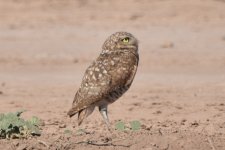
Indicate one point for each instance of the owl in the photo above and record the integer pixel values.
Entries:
(108, 77)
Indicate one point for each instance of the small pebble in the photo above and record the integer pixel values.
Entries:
(16, 143)
(62, 126)
(167, 45)
(22, 147)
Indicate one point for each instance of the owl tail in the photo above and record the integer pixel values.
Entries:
(71, 112)
(81, 116)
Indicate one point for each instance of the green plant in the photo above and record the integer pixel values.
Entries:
(12, 126)
(133, 125)
(120, 126)
(67, 132)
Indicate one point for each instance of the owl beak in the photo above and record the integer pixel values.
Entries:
(135, 43)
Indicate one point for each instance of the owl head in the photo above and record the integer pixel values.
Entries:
(121, 41)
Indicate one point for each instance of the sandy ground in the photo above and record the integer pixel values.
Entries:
(179, 91)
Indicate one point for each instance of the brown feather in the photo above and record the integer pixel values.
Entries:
(71, 112)
(108, 77)
(81, 116)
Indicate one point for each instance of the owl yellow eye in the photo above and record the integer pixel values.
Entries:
(126, 40)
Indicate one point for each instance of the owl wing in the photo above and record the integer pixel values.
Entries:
(95, 85)
(107, 73)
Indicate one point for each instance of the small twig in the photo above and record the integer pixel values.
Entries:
(54, 123)
(102, 144)
(160, 132)
(44, 143)
(211, 143)
(106, 144)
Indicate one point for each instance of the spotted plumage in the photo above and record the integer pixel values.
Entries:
(108, 77)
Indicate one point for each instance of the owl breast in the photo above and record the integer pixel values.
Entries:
(122, 75)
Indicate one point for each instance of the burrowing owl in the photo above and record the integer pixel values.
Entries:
(108, 77)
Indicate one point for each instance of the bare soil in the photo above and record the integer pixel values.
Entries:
(178, 94)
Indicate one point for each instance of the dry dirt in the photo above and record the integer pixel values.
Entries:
(179, 91)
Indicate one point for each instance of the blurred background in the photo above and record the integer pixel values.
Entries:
(184, 34)
(46, 45)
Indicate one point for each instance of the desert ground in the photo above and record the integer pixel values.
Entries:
(178, 93)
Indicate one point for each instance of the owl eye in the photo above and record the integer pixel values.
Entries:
(125, 40)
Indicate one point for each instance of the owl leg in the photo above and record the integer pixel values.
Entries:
(103, 111)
